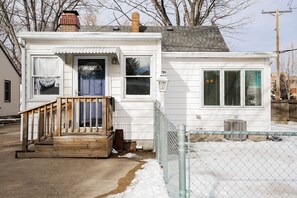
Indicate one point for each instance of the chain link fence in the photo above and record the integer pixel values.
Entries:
(224, 163)
(166, 147)
(242, 164)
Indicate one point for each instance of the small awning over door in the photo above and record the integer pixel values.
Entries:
(61, 51)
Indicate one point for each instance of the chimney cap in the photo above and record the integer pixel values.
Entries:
(71, 12)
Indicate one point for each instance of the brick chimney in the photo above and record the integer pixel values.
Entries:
(135, 22)
(69, 21)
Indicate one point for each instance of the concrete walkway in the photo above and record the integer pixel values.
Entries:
(55, 177)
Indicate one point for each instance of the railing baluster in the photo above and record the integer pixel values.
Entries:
(65, 115)
(97, 112)
(32, 127)
(72, 115)
(44, 121)
(91, 102)
(59, 120)
(78, 115)
(40, 126)
(51, 120)
(85, 113)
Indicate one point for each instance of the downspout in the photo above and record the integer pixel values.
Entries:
(23, 94)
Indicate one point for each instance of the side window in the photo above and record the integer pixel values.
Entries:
(212, 88)
(7, 91)
(232, 88)
(46, 75)
(138, 75)
(253, 87)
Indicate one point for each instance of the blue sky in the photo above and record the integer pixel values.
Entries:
(259, 35)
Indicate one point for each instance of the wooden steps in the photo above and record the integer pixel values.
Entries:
(93, 146)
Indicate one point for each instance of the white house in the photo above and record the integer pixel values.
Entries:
(10, 79)
(207, 83)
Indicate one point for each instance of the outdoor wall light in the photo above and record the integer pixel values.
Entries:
(163, 81)
(114, 60)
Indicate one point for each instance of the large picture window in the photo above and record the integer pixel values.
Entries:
(7, 91)
(138, 75)
(232, 88)
(253, 96)
(237, 92)
(46, 75)
(211, 87)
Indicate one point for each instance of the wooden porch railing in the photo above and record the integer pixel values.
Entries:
(79, 115)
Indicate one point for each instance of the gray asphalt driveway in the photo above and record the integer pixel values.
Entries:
(55, 177)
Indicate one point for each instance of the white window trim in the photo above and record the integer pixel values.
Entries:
(242, 88)
(126, 97)
(75, 73)
(30, 84)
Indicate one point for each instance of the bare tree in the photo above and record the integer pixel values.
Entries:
(186, 12)
(32, 15)
(288, 79)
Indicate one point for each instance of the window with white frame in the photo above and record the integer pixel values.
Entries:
(7, 91)
(231, 86)
(46, 75)
(253, 91)
(138, 75)
(212, 88)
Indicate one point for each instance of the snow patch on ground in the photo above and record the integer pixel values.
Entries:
(148, 183)
(129, 155)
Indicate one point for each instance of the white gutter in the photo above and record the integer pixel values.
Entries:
(218, 54)
(89, 36)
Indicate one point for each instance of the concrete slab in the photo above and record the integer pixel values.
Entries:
(55, 177)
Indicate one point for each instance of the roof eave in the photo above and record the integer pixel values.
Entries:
(89, 36)
(219, 54)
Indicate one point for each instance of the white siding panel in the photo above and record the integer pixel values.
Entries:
(183, 99)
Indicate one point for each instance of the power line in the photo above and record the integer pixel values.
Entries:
(290, 50)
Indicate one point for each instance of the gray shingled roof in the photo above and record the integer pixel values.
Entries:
(180, 39)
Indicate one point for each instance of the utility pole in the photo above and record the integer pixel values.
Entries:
(277, 13)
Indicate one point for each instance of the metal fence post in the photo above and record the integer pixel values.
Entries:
(182, 160)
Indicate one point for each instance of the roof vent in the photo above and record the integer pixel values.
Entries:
(169, 28)
(116, 28)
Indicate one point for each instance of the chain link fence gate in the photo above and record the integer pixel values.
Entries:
(242, 164)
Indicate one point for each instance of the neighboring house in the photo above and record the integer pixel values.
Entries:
(9, 85)
(207, 83)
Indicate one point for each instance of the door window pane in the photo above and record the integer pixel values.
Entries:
(211, 87)
(253, 96)
(232, 88)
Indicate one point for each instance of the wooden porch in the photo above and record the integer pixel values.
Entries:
(79, 126)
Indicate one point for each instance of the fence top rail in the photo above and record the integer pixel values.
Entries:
(260, 133)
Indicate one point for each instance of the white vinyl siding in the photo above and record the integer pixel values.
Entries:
(184, 98)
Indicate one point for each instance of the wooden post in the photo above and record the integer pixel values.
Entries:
(278, 95)
(59, 116)
(276, 13)
(104, 118)
(25, 131)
